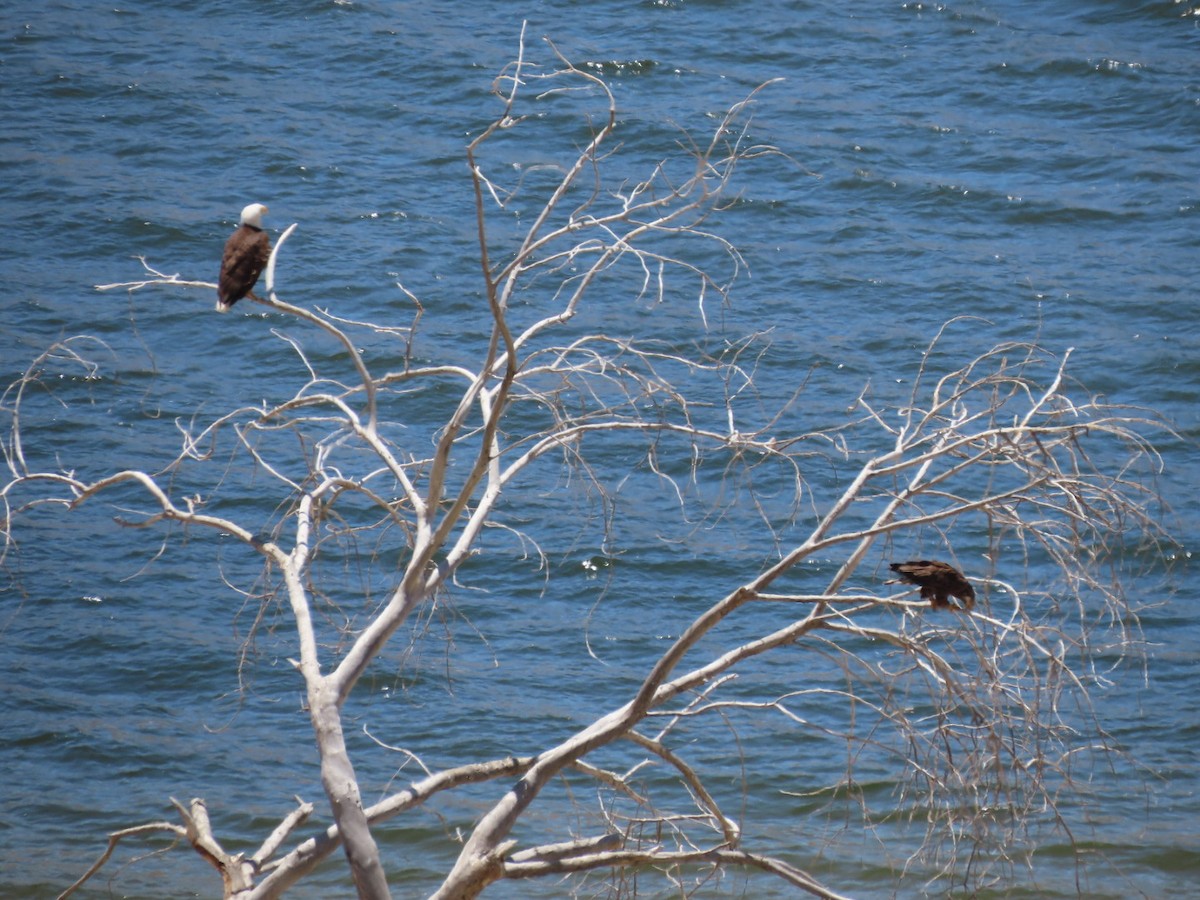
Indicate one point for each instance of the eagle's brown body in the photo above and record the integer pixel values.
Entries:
(246, 254)
(938, 581)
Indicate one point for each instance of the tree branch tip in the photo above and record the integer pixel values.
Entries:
(566, 849)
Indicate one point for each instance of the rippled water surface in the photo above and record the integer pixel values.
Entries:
(1031, 166)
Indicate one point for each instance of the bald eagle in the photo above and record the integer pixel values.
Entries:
(938, 582)
(246, 253)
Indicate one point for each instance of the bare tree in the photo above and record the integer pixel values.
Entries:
(984, 711)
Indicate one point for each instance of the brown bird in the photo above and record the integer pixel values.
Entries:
(246, 253)
(938, 582)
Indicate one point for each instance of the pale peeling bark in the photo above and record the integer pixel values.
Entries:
(341, 787)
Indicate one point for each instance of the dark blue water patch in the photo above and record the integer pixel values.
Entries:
(1039, 163)
(1152, 17)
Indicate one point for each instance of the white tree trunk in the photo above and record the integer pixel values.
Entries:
(341, 786)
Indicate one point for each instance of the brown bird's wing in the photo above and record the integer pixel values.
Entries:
(919, 571)
(938, 580)
(246, 254)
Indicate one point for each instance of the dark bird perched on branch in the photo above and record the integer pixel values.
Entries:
(246, 253)
(938, 582)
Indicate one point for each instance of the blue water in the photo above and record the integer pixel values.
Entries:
(1031, 165)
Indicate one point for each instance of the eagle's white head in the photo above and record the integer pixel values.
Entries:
(252, 215)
